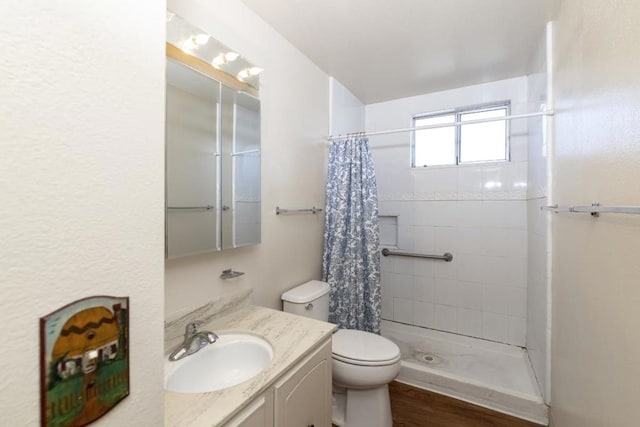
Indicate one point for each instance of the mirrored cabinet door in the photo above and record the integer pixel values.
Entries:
(192, 162)
(242, 156)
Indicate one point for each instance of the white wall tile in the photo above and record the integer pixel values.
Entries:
(424, 212)
(446, 292)
(424, 289)
(423, 267)
(518, 147)
(402, 286)
(445, 180)
(517, 301)
(470, 322)
(517, 272)
(517, 331)
(446, 214)
(470, 295)
(495, 299)
(470, 181)
(495, 327)
(387, 308)
(446, 318)
(423, 239)
(494, 179)
(386, 264)
(423, 181)
(445, 270)
(494, 270)
(472, 240)
(403, 310)
(405, 237)
(402, 265)
(471, 214)
(444, 239)
(517, 176)
(424, 314)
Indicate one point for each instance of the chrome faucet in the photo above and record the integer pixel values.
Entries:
(193, 341)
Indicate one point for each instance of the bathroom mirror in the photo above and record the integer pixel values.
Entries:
(241, 168)
(212, 157)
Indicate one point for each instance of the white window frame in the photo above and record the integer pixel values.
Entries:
(458, 112)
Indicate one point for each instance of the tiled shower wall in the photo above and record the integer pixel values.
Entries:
(477, 212)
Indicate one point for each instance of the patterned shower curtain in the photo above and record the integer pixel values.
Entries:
(351, 260)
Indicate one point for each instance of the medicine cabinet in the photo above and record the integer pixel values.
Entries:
(212, 147)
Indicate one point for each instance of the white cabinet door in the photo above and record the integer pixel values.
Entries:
(303, 396)
(258, 413)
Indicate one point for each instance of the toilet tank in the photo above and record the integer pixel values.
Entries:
(311, 299)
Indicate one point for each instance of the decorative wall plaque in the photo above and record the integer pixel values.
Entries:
(84, 361)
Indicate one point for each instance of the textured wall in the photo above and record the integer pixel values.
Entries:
(81, 178)
(295, 118)
(596, 274)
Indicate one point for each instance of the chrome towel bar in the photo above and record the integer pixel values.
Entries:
(445, 257)
(595, 209)
(189, 208)
(313, 210)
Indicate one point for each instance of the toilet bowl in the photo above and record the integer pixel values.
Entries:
(363, 363)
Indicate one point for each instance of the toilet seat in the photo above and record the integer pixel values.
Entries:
(364, 348)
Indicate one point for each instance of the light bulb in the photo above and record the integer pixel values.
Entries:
(243, 74)
(218, 61)
(202, 39)
(189, 45)
(254, 71)
(231, 56)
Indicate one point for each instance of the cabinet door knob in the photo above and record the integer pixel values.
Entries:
(310, 425)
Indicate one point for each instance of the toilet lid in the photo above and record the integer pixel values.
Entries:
(361, 347)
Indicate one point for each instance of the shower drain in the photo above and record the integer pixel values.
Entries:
(429, 358)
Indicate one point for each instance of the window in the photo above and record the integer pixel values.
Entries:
(454, 145)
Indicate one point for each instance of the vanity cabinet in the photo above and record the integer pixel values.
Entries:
(301, 397)
(258, 413)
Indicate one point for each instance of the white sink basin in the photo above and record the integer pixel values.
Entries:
(234, 358)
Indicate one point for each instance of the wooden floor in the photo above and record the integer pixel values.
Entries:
(414, 407)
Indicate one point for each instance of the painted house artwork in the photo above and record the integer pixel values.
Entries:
(84, 362)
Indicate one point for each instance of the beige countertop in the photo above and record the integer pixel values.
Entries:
(292, 337)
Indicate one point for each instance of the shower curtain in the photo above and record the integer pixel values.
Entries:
(351, 259)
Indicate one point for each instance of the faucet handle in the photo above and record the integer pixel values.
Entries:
(192, 327)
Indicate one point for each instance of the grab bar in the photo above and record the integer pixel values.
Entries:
(189, 208)
(445, 257)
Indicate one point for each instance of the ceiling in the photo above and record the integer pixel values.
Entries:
(388, 49)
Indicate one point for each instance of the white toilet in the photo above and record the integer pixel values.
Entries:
(363, 363)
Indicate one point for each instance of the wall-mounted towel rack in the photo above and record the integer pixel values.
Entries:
(189, 208)
(595, 209)
(445, 257)
(313, 210)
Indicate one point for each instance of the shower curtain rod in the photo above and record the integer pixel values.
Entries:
(443, 125)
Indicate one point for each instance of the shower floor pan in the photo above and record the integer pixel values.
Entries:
(496, 376)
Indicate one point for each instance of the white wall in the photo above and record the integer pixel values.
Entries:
(596, 273)
(81, 178)
(476, 212)
(538, 328)
(347, 111)
(295, 123)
